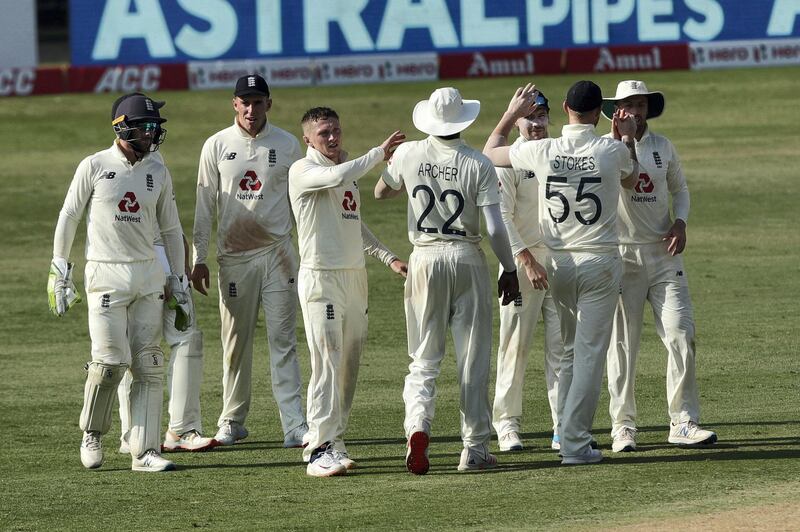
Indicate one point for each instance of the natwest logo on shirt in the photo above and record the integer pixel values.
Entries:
(250, 184)
(128, 204)
(350, 206)
(645, 184)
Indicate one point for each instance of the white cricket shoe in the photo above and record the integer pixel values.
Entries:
(230, 432)
(510, 441)
(624, 440)
(690, 433)
(344, 459)
(294, 438)
(417, 461)
(91, 450)
(152, 462)
(124, 446)
(555, 443)
(590, 456)
(476, 459)
(191, 440)
(324, 464)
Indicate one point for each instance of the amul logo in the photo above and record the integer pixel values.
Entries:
(128, 203)
(250, 181)
(349, 202)
(645, 184)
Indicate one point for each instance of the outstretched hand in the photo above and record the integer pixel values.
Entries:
(523, 102)
(391, 143)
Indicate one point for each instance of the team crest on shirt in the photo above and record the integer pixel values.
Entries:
(272, 157)
(528, 174)
(657, 159)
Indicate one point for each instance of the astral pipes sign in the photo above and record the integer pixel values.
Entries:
(167, 31)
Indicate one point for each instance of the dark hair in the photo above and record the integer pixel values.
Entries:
(316, 114)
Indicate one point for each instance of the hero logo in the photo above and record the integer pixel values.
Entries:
(129, 203)
(129, 78)
(250, 184)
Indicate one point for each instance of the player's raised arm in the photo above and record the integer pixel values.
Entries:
(522, 104)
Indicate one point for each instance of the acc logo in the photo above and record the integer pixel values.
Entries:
(349, 202)
(645, 184)
(129, 203)
(250, 181)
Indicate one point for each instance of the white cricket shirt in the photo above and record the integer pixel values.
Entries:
(644, 212)
(327, 206)
(447, 182)
(125, 204)
(579, 182)
(519, 205)
(244, 179)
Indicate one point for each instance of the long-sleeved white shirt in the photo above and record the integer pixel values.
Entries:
(243, 179)
(327, 206)
(644, 211)
(579, 182)
(126, 205)
(519, 205)
(447, 182)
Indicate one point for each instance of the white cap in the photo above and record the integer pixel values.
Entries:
(445, 113)
(631, 87)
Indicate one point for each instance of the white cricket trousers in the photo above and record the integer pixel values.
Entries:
(651, 274)
(334, 304)
(517, 323)
(448, 287)
(184, 376)
(125, 322)
(585, 288)
(269, 281)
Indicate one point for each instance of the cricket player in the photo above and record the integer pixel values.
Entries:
(579, 181)
(243, 177)
(126, 191)
(651, 241)
(323, 189)
(519, 205)
(184, 378)
(449, 185)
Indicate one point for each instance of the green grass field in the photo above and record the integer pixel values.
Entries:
(737, 133)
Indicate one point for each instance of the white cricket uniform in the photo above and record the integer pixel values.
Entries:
(184, 372)
(519, 194)
(579, 182)
(126, 204)
(245, 180)
(332, 285)
(650, 273)
(448, 283)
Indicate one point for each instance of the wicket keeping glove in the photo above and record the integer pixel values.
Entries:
(179, 302)
(61, 291)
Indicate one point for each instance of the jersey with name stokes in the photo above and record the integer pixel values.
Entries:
(579, 182)
(126, 205)
(245, 179)
(447, 182)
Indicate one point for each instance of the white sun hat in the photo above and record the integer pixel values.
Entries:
(445, 113)
(628, 88)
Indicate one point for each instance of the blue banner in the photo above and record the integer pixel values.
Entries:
(169, 31)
